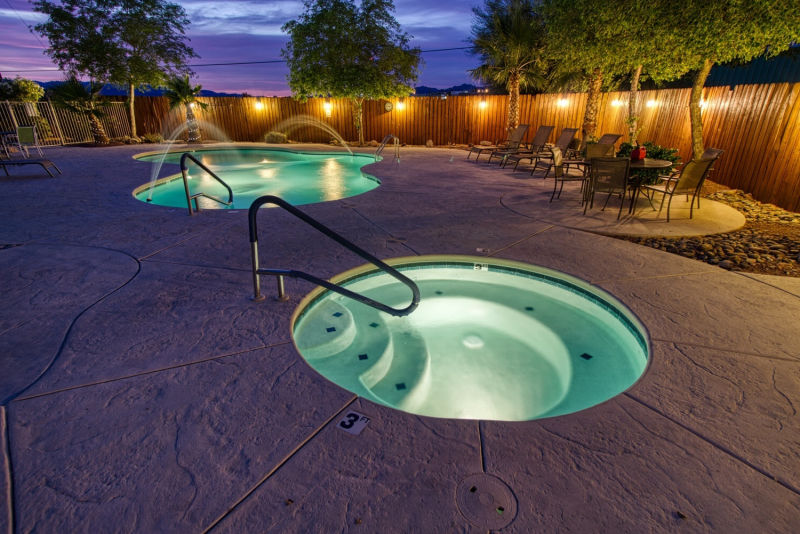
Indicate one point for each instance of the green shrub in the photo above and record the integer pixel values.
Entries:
(152, 138)
(276, 137)
(653, 151)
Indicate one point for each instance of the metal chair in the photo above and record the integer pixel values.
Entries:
(690, 181)
(537, 143)
(513, 143)
(607, 175)
(561, 176)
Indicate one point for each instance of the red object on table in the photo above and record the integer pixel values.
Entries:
(638, 153)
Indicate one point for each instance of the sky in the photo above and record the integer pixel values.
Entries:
(247, 30)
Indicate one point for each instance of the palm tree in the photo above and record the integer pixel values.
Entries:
(508, 37)
(74, 96)
(180, 91)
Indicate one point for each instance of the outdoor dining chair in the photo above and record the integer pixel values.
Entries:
(690, 181)
(561, 177)
(593, 150)
(607, 175)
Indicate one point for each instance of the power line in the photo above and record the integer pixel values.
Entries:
(264, 62)
(24, 24)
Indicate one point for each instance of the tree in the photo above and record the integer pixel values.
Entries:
(582, 37)
(718, 31)
(20, 90)
(508, 37)
(127, 42)
(179, 91)
(341, 50)
(78, 98)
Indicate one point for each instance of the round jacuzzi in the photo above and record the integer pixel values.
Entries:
(491, 339)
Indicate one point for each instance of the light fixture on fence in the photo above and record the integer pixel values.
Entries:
(328, 107)
(562, 102)
(259, 105)
(191, 105)
(401, 104)
(703, 103)
(483, 103)
(616, 103)
(651, 103)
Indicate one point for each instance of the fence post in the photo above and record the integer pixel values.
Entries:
(55, 120)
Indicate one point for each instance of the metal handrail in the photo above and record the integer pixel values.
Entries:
(280, 273)
(190, 197)
(383, 143)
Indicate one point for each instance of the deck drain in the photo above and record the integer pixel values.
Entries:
(486, 501)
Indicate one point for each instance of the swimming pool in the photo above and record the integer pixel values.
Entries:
(491, 339)
(300, 178)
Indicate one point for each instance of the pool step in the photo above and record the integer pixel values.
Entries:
(406, 379)
(331, 332)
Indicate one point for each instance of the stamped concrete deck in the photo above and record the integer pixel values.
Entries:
(143, 392)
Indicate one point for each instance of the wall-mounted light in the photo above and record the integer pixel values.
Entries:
(191, 105)
(651, 103)
(703, 103)
(562, 102)
(328, 107)
(401, 104)
(259, 105)
(482, 104)
(616, 103)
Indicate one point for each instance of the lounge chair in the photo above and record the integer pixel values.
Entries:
(546, 154)
(690, 180)
(26, 136)
(607, 175)
(46, 164)
(537, 144)
(514, 141)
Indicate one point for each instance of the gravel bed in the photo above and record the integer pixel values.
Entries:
(769, 242)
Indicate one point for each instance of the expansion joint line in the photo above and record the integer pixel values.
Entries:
(280, 464)
(480, 445)
(719, 446)
(9, 478)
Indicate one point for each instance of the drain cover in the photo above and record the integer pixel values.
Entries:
(486, 501)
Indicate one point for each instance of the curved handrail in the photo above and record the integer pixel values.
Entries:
(280, 273)
(190, 197)
(383, 143)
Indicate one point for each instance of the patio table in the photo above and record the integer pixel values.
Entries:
(643, 165)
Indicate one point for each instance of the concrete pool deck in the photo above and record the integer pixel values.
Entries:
(142, 390)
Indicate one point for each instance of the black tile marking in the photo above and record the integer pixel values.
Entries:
(400, 386)
(362, 356)
(331, 329)
(586, 356)
(528, 308)
(337, 314)
(374, 325)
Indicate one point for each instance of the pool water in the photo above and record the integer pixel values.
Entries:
(499, 341)
(298, 178)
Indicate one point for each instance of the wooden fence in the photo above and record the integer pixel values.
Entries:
(758, 126)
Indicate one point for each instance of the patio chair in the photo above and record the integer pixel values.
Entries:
(46, 164)
(537, 144)
(607, 175)
(26, 136)
(561, 176)
(593, 150)
(546, 154)
(513, 142)
(690, 180)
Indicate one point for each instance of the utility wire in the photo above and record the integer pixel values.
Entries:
(264, 62)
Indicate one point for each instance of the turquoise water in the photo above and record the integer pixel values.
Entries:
(497, 344)
(298, 178)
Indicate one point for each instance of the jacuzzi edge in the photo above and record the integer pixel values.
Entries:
(615, 306)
